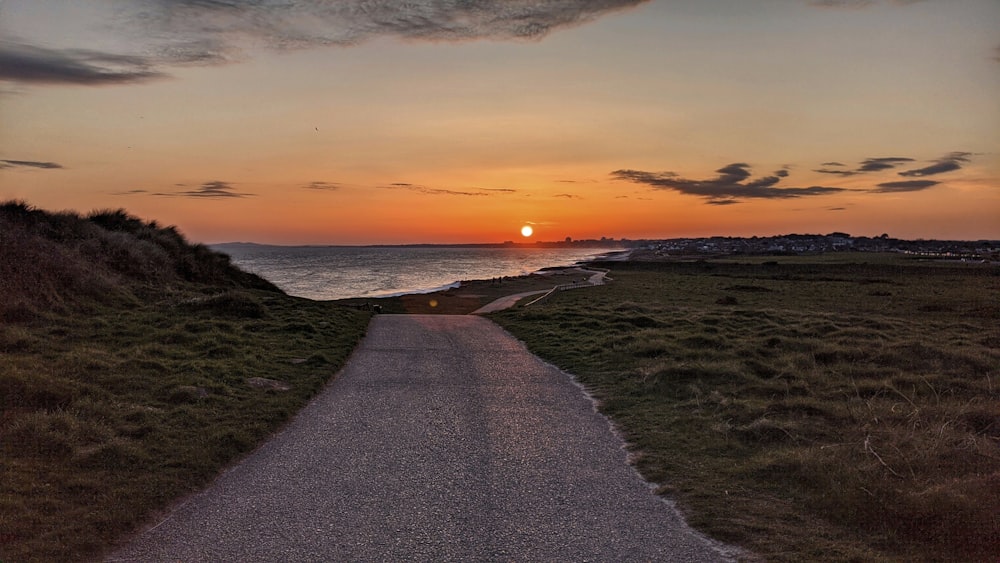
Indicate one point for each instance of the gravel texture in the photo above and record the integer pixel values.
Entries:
(443, 439)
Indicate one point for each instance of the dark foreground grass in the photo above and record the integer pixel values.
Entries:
(804, 411)
(123, 388)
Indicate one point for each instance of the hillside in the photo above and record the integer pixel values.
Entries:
(135, 366)
(54, 261)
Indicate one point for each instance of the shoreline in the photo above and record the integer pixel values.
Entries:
(471, 295)
(333, 275)
(612, 256)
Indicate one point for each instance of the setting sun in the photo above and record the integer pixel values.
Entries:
(526, 231)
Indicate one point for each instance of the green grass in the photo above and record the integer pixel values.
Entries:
(828, 411)
(123, 388)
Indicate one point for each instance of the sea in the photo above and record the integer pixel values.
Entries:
(340, 272)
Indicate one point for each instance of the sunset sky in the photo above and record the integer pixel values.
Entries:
(443, 121)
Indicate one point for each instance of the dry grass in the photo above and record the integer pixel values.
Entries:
(818, 411)
(131, 373)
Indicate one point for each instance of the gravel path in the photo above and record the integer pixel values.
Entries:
(443, 439)
(508, 301)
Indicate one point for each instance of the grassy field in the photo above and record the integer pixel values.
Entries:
(135, 367)
(832, 410)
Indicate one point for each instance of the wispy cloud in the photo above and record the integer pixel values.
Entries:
(474, 192)
(948, 163)
(877, 164)
(732, 185)
(568, 196)
(209, 190)
(904, 186)
(217, 29)
(321, 186)
(39, 65)
(28, 164)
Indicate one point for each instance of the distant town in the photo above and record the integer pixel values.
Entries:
(791, 245)
(708, 247)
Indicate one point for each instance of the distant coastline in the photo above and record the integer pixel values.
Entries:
(345, 272)
(610, 244)
(779, 245)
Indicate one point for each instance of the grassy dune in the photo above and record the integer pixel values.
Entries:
(135, 366)
(806, 411)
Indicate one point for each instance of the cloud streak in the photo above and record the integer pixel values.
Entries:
(472, 192)
(904, 186)
(732, 185)
(868, 165)
(38, 65)
(29, 164)
(327, 186)
(209, 190)
(947, 163)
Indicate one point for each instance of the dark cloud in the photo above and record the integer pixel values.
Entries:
(321, 186)
(39, 65)
(214, 30)
(867, 165)
(948, 163)
(885, 163)
(837, 209)
(568, 196)
(732, 185)
(209, 190)
(904, 186)
(28, 164)
(207, 32)
(833, 164)
(837, 172)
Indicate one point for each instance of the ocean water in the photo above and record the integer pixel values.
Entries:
(339, 272)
